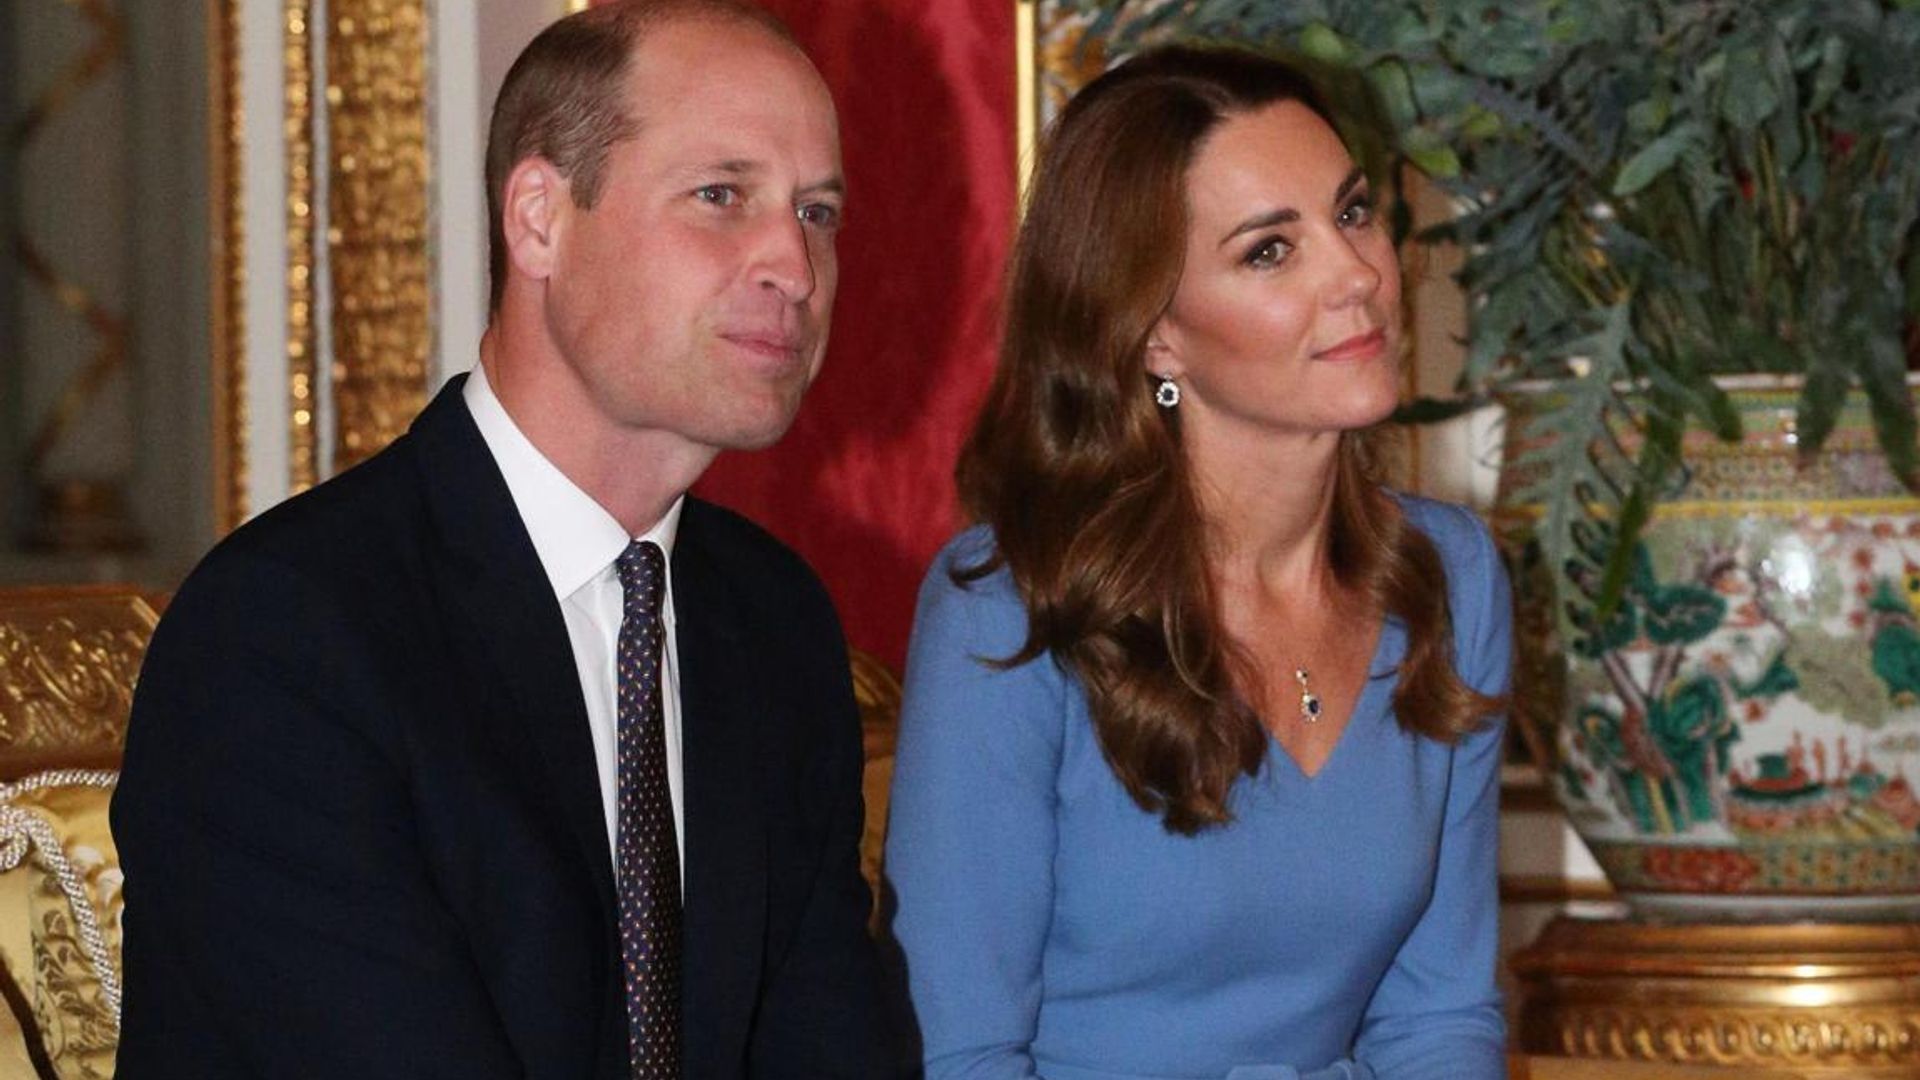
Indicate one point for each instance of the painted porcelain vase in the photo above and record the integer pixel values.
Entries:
(1742, 740)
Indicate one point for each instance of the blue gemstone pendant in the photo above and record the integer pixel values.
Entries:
(1309, 701)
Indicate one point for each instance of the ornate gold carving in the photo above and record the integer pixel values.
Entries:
(230, 271)
(1739, 1037)
(878, 695)
(68, 661)
(378, 201)
(1804, 996)
(302, 342)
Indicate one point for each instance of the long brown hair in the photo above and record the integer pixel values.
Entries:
(1084, 480)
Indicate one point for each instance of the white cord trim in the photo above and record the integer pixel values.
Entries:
(24, 830)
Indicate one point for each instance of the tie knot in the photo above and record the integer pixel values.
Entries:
(643, 577)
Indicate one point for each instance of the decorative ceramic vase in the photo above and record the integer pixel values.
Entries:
(1742, 739)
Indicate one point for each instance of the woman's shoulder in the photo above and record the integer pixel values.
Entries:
(963, 583)
(971, 622)
(1456, 531)
(966, 565)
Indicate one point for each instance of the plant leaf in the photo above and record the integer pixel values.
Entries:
(1431, 410)
(1819, 409)
(1653, 159)
(1749, 93)
(1890, 401)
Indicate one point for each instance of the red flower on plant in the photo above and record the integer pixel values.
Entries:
(1692, 869)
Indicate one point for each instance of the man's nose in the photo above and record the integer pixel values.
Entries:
(785, 261)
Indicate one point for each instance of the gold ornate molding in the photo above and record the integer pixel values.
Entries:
(68, 661)
(1822, 999)
(227, 135)
(302, 340)
(877, 693)
(379, 264)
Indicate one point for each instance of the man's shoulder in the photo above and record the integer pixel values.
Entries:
(344, 542)
(737, 545)
(349, 517)
(766, 583)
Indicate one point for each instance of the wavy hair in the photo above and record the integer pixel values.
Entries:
(1084, 480)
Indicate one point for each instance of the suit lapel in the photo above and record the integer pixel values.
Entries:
(515, 639)
(726, 868)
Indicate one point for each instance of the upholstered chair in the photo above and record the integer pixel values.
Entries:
(68, 659)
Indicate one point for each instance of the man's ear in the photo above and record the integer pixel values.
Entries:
(533, 203)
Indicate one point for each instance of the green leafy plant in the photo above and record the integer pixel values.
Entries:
(1649, 194)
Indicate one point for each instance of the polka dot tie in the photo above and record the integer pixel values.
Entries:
(646, 855)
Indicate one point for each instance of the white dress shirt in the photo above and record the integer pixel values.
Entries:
(578, 543)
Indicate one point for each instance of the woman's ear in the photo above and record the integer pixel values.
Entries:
(1162, 361)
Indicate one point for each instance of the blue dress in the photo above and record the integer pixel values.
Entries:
(1342, 925)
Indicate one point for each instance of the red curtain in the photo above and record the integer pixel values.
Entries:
(863, 484)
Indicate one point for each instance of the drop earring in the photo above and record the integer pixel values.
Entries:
(1167, 393)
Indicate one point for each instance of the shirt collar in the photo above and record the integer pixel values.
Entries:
(573, 535)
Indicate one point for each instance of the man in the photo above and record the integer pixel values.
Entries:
(418, 758)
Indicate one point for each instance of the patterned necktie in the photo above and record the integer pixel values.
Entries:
(647, 858)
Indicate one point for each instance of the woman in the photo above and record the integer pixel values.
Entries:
(1198, 759)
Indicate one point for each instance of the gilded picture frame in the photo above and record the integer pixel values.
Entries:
(356, 227)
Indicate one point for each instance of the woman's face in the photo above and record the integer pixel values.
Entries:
(1287, 316)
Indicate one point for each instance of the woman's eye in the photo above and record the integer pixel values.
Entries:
(1268, 252)
(1358, 212)
(717, 194)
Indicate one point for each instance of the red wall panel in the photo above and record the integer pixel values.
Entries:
(863, 484)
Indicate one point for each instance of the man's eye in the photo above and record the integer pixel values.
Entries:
(820, 215)
(717, 194)
(1268, 252)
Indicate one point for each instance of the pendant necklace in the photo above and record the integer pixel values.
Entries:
(1309, 701)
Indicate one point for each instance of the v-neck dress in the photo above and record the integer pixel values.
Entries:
(1343, 925)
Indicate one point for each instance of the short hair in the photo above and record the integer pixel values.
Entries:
(561, 100)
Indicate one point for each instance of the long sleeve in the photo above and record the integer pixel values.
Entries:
(280, 917)
(971, 842)
(820, 1014)
(1437, 1014)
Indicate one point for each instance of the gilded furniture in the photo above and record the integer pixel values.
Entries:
(1529, 1067)
(1813, 1000)
(878, 694)
(68, 658)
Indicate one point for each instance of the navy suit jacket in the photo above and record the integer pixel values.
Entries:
(362, 829)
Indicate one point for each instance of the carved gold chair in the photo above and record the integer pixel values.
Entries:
(68, 658)
(878, 693)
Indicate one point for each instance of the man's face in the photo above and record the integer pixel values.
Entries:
(693, 299)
